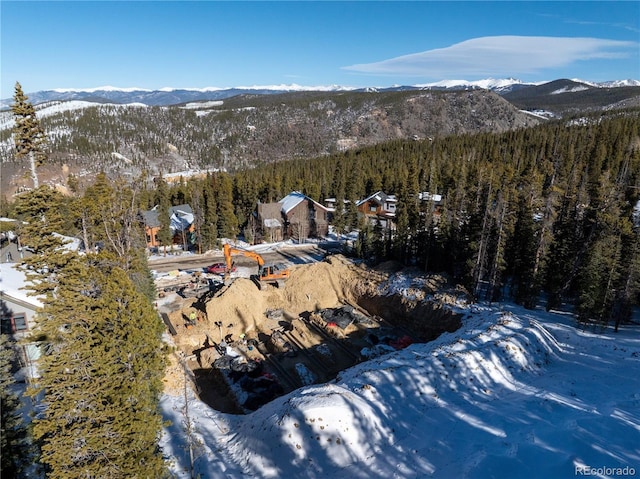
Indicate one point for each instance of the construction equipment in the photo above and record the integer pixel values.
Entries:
(272, 274)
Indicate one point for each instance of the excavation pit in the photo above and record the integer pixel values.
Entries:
(249, 346)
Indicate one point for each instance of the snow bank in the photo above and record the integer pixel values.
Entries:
(513, 393)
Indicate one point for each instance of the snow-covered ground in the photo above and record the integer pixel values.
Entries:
(7, 120)
(513, 393)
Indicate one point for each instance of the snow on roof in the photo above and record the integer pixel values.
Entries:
(272, 223)
(379, 197)
(426, 196)
(181, 220)
(181, 217)
(293, 199)
(12, 283)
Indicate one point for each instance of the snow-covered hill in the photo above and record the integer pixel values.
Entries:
(173, 96)
(43, 110)
(611, 84)
(513, 393)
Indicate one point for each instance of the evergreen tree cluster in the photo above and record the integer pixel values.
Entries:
(102, 359)
(237, 133)
(14, 445)
(100, 373)
(540, 211)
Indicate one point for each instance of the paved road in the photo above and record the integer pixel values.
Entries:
(291, 254)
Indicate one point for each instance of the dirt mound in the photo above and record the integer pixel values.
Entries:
(242, 307)
(323, 318)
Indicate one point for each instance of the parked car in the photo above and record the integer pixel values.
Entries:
(218, 268)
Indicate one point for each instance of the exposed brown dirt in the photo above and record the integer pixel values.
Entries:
(310, 288)
(265, 325)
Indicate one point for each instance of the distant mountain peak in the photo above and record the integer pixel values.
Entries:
(172, 96)
(610, 84)
(97, 89)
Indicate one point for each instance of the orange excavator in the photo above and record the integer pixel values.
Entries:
(267, 274)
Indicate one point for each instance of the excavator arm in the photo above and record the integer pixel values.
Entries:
(265, 274)
(229, 251)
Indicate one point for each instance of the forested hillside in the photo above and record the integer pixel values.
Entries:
(541, 210)
(545, 210)
(570, 97)
(126, 140)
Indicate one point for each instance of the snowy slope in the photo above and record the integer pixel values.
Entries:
(7, 120)
(172, 96)
(513, 393)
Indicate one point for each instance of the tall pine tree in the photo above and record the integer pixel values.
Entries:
(28, 135)
(101, 373)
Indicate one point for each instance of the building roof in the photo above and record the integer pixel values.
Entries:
(150, 218)
(293, 199)
(12, 283)
(426, 196)
(379, 197)
(181, 217)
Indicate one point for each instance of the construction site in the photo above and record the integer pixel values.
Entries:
(242, 339)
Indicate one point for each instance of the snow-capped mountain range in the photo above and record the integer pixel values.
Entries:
(172, 96)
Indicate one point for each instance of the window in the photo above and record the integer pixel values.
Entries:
(20, 322)
(13, 324)
(6, 325)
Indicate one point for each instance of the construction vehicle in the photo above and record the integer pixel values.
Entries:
(267, 274)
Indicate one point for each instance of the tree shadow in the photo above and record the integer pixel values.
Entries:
(501, 400)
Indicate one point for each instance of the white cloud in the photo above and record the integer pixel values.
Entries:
(499, 55)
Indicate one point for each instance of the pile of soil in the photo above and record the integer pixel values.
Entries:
(242, 308)
(242, 311)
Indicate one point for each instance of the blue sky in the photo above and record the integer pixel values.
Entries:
(151, 45)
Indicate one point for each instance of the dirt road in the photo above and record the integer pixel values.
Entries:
(289, 254)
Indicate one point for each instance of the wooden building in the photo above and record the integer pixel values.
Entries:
(295, 217)
(181, 225)
(379, 208)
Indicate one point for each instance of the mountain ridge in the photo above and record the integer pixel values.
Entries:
(173, 96)
(249, 128)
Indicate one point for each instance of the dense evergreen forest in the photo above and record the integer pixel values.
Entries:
(99, 375)
(544, 212)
